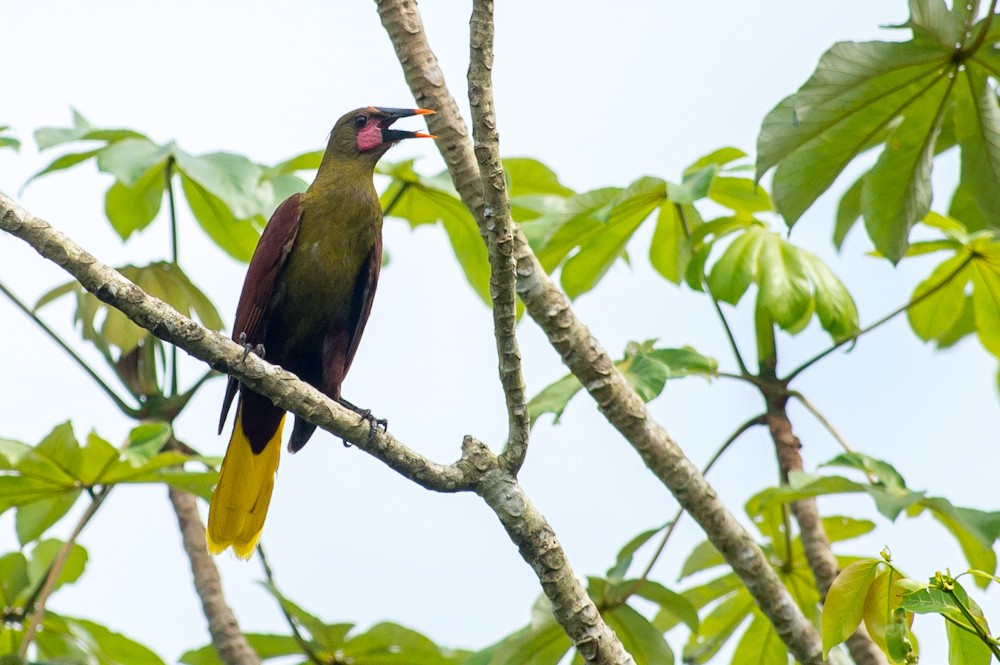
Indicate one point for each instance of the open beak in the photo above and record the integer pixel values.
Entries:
(390, 116)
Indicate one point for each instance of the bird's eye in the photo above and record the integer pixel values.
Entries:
(360, 121)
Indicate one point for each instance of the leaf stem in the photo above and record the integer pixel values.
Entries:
(885, 319)
(81, 363)
(56, 568)
(981, 36)
(395, 199)
(174, 257)
(822, 420)
(303, 643)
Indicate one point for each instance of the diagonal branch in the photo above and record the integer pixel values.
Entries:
(583, 353)
(229, 642)
(500, 238)
(478, 469)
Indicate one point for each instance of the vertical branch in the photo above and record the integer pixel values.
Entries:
(230, 644)
(815, 543)
(586, 357)
(500, 238)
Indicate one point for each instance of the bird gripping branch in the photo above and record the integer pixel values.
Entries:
(305, 301)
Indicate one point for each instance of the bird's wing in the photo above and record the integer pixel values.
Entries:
(262, 275)
(337, 356)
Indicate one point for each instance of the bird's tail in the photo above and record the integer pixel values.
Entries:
(240, 501)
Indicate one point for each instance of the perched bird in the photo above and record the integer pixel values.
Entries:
(305, 301)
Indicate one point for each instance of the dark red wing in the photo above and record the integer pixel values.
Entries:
(336, 357)
(258, 286)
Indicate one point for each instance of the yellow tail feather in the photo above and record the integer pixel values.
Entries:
(240, 501)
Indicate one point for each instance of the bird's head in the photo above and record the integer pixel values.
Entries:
(368, 132)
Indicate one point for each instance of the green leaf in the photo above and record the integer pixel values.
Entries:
(14, 577)
(542, 644)
(986, 302)
(572, 225)
(34, 519)
(266, 645)
(583, 270)
(718, 626)
(639, 637)
(529, 176)
(129, 159)
(554, 398)
(976, 532)
(843, 609)
(109, 647)
(82, 130)
(307, 161)
(760, 645)
(669, 251)
(883, 597)
(391, 644)
(145, 442)
(736, 269)
(624, 559)
(965, 648)
(238, 238)
(702, 557)
(232, 179)
(647, 369)
(896, 193)
(718, 158)
(670, 603)
(977, 129)
(42, 556)
(741, 195)
(8, 141)
(848, 213)
(857, 91)
(132, 207)
(64, 162)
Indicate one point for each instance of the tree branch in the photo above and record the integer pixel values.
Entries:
(500, 238)
(815, 543)
(229, 641)
(478, 469)
(583, 353)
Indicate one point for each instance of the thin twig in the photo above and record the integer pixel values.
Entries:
(56, 568)
(80, 362)
(174, 258)
(822, 419)
(885, 319)
(303, 643)
(500, 239)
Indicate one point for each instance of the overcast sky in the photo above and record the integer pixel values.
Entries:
(603, 93)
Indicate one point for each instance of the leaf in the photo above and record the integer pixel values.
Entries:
(718, 158)
(554, 398)
(129, 159)
(986, 303)
(110, 647)
(976, 532)
(848, 213)
(232, 179)
(34, 519)
(529, 176)
(583, 270)
(639, 637)
(843, 609)
(670, 603)
(238, 238)
(64, 162)
(965, 648)
(8, 141)
(391, 644)
(13, 577)
(669, 253)
(742, 195)
(266, 645)
(883, 597)
(82, 130)
(544, 644)
(718, 626)
(704, 556)
(133, 207)
(624, 559)
(736, 269)
(760, 645)
(977, 129)
(42, 556)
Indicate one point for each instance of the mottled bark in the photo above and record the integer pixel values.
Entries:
(227, 638)
(500, 238)
(585, 356)
(815, 543)
(478, 469)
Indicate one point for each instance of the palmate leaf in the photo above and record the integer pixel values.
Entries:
(645, 367)
(106, 325)
(900, 96)
(793, 283)
(843, 609)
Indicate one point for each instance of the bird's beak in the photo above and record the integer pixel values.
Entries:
(390, 115)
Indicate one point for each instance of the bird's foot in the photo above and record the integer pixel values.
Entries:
(366, 415)
(247, 347)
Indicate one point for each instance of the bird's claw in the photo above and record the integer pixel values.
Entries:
(248, 347)
(373, 424)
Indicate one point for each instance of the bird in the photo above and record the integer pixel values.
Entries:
(306, 299)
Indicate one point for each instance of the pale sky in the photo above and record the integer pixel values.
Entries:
(603, 93)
